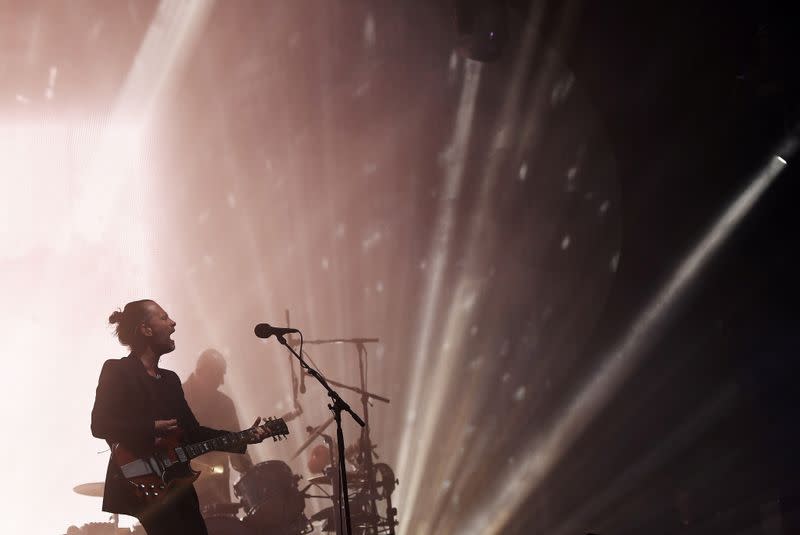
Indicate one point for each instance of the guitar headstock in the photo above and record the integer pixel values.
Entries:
(275, 428)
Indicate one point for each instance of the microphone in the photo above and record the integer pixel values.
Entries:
(265, 330)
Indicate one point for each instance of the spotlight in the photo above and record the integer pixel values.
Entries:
(482, 27)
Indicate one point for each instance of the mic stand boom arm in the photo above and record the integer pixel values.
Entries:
(337, 406)
(357, 390)
(357, 341)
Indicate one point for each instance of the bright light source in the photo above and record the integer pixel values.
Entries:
(79, 184)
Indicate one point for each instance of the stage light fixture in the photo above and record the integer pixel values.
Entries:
(482, 27)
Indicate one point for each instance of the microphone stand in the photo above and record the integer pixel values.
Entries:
(337, 406)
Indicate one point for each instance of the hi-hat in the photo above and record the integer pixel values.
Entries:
(90, 489)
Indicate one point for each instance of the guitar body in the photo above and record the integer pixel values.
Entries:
(153, 478)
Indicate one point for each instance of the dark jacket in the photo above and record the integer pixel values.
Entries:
(126, 405)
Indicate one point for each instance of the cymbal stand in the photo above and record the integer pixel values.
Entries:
(336, 495)
(366, 449)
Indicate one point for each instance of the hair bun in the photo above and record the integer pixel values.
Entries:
(115, 317)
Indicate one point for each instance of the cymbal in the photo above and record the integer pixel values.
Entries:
(314, 434)
(208, 470)
(90, 489)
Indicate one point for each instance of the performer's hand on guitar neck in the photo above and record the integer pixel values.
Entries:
(165, 426)
(256, 434)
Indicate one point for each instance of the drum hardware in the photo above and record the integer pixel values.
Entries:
(99, 528)
(370, 481)
(95, 490)
(354, 478)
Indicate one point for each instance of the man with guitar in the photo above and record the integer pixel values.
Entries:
(140, 410)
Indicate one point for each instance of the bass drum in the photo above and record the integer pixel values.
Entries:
(226, 525)
(271, 498)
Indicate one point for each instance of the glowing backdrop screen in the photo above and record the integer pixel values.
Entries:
(235, 163)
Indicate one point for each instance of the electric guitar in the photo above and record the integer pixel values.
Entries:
(167, 468)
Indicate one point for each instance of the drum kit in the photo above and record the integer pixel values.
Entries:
(270, 501)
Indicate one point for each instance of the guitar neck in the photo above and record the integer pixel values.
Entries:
(275, 428)
(221, 443)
